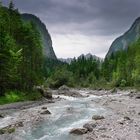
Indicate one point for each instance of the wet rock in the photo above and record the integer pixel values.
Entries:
(102, 129)
(97, 117)
(88, 127)
(44, 92)
(126, 118)
(2, 115)
(44, 107)
(50, 101)
(138, 96)
(79, 131)
(18, 124)
(47, 94)
(69, 93)
(93, 124)
(105, 136)
(64, 87)
(45, 112)
(121, 121)
(114, 90)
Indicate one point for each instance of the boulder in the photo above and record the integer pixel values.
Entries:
(88, 127)
(64, 87)
(44, 107)
(69, 93)
(126, 118)
(138, 96)
(47, 94)
(98, 117)
(114, 90)
(45, 112)
(2, 115)
(44, 92)
(79, 131)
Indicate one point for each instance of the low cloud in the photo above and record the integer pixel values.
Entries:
(97, 22)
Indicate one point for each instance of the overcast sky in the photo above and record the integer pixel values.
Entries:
(82, 26)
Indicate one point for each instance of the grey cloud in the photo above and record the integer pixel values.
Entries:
(101, 17)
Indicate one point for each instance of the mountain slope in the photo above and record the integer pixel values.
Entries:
(46, 38)
(122, 42)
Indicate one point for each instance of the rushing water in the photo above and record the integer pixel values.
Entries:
(66, 114)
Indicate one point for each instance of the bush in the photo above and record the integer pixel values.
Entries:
(17, 96)
(59, 78)
(123, 83)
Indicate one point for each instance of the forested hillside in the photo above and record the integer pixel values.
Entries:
(48, 51)
(23, 65)
(123, 67)
(120, 68)
(21, 58)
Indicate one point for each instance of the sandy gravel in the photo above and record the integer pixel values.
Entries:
(123, 122)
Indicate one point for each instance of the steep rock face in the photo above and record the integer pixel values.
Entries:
(128, 38)
(45, 36)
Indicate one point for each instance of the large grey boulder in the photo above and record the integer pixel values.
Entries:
(78, 131)
(44, 92)
(64, 87)
(88, 127)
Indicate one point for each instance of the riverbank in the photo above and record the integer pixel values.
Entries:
(123, 123)
(121, 118)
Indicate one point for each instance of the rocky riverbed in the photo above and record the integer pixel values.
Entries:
(85, 115)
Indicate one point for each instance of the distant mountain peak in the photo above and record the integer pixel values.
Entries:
(87, 56)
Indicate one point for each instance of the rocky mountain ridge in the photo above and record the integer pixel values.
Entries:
(128, 38)
(45, 36)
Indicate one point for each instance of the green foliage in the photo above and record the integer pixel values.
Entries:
(17, 96)
(123, 83)
(21, 58)
(60, 77)
(123, 68)
(81, 72)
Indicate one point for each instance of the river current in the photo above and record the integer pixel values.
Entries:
(67, 114)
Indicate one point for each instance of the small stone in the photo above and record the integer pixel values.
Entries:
(121, 122)
(64, 87)
(97, 117)
(44, 107)
(2, 115)
(138, 97)
(45, 112)
(19, 124)
(102, 128)
(139, 113)
(126, 118)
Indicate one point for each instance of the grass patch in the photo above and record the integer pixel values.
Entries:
(18, 96)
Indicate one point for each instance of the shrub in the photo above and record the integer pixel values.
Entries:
(123, 83)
